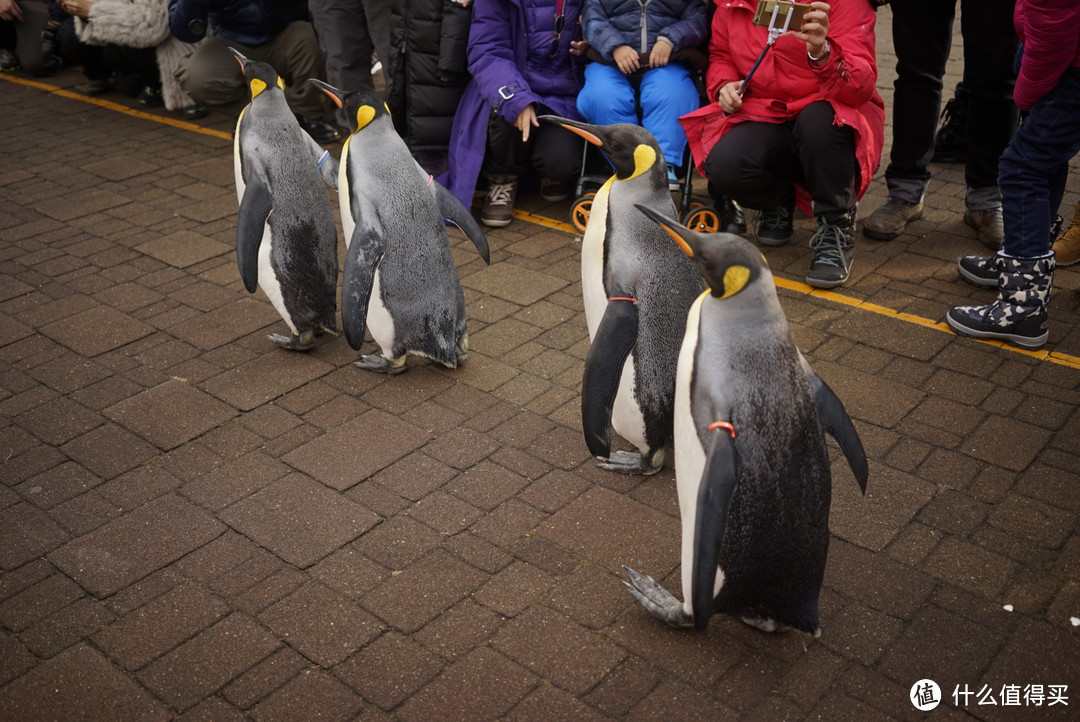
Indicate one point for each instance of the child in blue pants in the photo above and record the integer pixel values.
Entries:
(1032, 175)
(621, 31)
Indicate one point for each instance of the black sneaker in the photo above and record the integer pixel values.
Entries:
(775, 225)
(194, 112)
(834, 246)
(498, 207)
(951, 141)
(319, 129)
(731, 216)
(150, 97)
(981, 271)
(554, 191)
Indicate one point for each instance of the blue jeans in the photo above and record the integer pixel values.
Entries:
(665, 94)
(1034, 169)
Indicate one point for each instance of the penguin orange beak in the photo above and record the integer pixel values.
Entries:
(582, 129)
(239, 58)
(672, 228)
(334, 93)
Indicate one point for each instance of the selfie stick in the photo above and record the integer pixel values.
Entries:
(774, 33)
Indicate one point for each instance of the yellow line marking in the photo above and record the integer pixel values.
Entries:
(109, 105)
(1062, 359)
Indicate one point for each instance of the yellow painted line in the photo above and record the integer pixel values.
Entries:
(1056, 357)
(109, 105)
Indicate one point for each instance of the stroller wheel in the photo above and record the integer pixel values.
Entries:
(702, 219)
(579, 212)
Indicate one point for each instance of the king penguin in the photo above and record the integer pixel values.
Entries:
(286, 241)
(399, 277)
(751, 465)
(637, 287)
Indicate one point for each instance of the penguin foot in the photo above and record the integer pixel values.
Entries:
(381, 365)
(765, 624)
(660, 603)
(323, 328)
(631, 462)
(304, 342)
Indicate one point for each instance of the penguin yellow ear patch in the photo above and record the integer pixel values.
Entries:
(364, 114)
(280, 83)
(257, 86)
(644, 158)
(735, 279)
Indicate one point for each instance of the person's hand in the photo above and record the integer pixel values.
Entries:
(526, 121)
(10, 10)
(78, 8)
(814, 28)
(660, 55)
(626, 58)
(729, 98)
(579, 47)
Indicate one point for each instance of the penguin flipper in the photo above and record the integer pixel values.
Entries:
(659, 602)
(837, 424)
(452, 210)
(363, 256)
(255, 208)
(715, 490)
(615, 337)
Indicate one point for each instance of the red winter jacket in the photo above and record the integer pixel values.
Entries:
(1050, 33)
(785, 82)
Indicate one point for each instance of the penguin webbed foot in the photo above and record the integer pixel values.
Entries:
(303, 342)
(380, 365)
(631, 462)
(659, 602)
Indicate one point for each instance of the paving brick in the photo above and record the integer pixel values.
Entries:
(589, 596)
(265, 677)
(69, 372)
(25, 534)
(59, 420)
(182, 248)
(109, 450)
(235, 480)
(876, 580)
(15, 658)
(873, 520)
(486, 485)
(139, 637)
(398, 541)
(551, 703)
(399, 395)
(66, 627)
(508, 522)
(298, 519)
(57, 485)
(206, 663)
(455, 633)
(223, 325)
(1024, 442)
(415, 476)
(960, 650)
(514, 589)
(129, 548)
(452, 695)
(96, 331)
(322, 624)
(630, 533)
(422, 591)
(478, 552)
(460, 448)
(444, 513)
(691, 704)
(969, 567)
(191, 413)
(348, 455)
(513, 283)
(83, 674)
(389, 670)
(624, 687)
(265, 378)
(1041, 523)
(309, 690)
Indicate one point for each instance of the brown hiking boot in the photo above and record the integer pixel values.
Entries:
(889, 221)
(1067, 246)
(989, 225)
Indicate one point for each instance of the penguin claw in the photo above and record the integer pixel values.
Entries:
(293, 343)
(380, 365)
(658, 601)
(630, 462)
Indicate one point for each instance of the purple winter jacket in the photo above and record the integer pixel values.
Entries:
(510, 51)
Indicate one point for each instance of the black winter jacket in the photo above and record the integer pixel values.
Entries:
(428, 70)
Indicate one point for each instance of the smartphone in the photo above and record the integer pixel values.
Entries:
(764, 14)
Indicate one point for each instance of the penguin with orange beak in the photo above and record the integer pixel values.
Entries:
(637, 286)
(399, 280)
(751, 465)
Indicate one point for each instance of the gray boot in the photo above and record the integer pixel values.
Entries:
(1019, 314)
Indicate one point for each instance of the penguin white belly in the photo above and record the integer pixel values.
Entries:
(379, 321)
(626, 416)
(592, 261)
(689, 454)
(268, 279)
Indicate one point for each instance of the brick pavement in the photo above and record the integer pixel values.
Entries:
(198, 524)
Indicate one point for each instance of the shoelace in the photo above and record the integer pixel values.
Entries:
(500, 194)
(773, 217)
(829, 243)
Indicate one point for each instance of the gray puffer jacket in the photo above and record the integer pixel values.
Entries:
(607, 24)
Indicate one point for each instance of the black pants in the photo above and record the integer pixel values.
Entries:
(922, 36)
(756, 163)
(552, 150)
